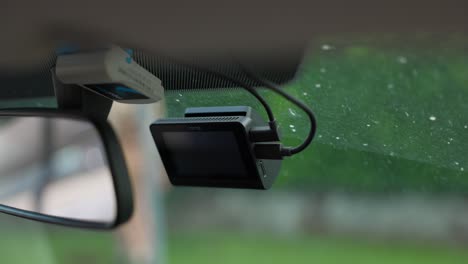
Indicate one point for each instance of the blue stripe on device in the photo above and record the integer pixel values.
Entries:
(125, 89)
(117, 91)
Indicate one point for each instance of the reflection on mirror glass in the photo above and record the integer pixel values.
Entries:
(57, 167)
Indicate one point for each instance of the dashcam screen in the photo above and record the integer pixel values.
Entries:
(205, 154)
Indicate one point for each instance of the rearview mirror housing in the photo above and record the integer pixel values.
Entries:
(75, 176)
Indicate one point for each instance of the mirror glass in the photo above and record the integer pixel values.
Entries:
(55, 166)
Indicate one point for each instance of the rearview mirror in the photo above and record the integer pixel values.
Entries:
(62, 168)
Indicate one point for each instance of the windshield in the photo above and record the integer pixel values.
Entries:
(383, 182)
(386, 171)
(387, 108)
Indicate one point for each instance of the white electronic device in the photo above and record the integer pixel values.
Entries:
(111, 73)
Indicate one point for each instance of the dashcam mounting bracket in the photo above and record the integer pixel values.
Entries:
(73, 97)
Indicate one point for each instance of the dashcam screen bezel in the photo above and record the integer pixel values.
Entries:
(251, 179)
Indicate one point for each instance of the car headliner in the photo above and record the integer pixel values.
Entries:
(209, 28)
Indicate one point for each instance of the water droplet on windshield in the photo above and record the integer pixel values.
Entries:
(365, 144)
(293, 130)
(406, 113)
(291, 126)
(392, 153)
(177, 100)
(462, 169)
(456, 163)
(292, 112)
(180, 95)
(432, 118)
(402, 60)
(326, 47)
(318, 85)
(337, 138)
(367, 125)
(320, 136)
(304, 93)
(466, 126)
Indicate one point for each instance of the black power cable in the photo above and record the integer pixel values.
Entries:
(282, 151)
(289, 151)
(239, 83)
(251, 90)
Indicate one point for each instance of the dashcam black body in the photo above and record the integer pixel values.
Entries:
(212, 147)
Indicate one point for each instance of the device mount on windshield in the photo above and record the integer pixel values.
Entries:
(221, 146)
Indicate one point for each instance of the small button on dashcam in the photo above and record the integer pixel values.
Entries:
(262, 168)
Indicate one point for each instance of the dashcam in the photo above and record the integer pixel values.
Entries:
(232, 147)
(216, 147)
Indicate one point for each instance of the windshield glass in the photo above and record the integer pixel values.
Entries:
(384, 180)
(386, 109)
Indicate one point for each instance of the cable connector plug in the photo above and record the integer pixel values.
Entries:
(265, 133)
(271, 151)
